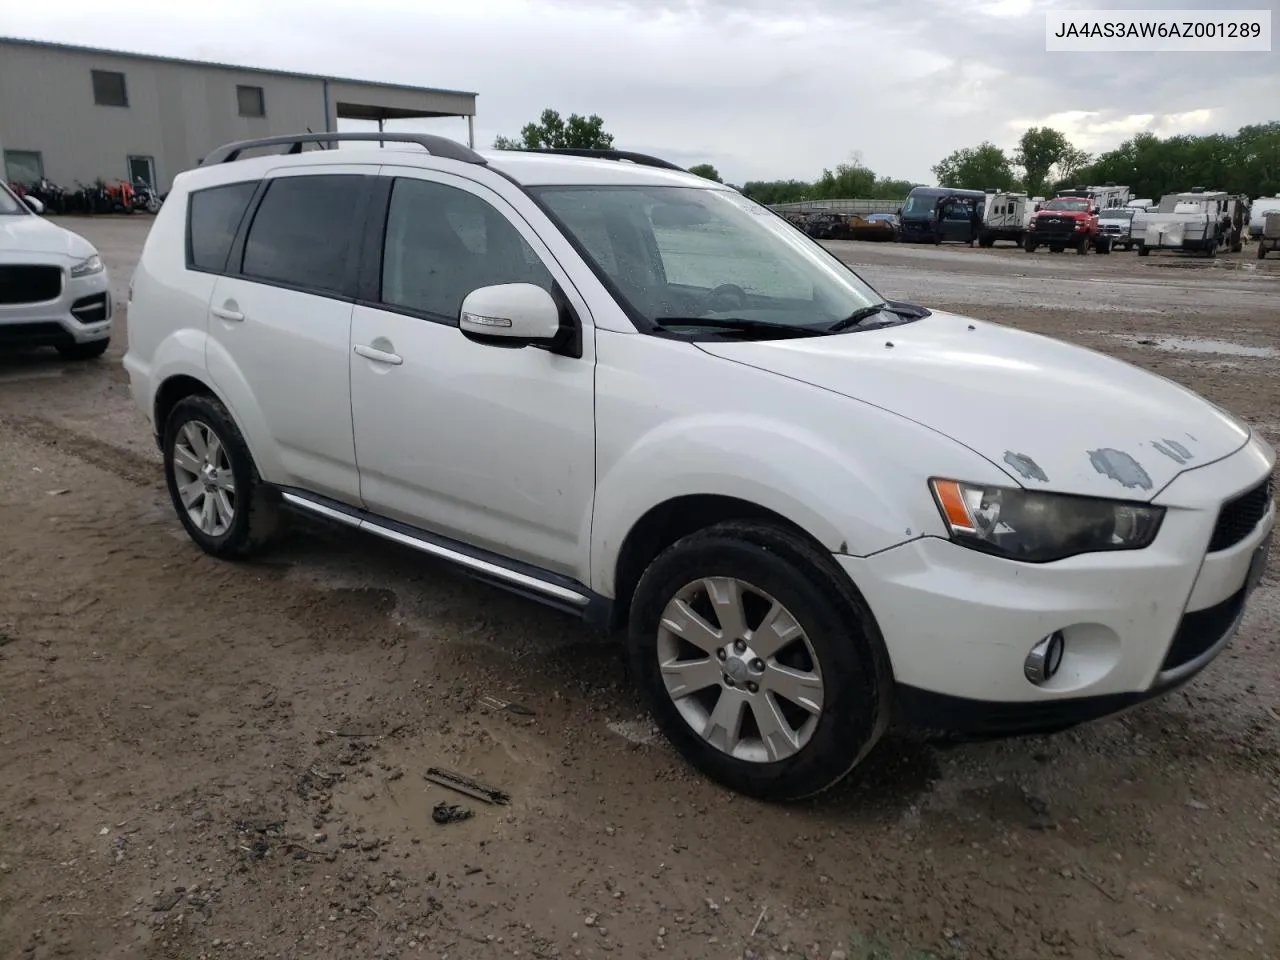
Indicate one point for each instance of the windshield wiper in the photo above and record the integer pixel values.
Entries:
(765, 328)
(855, 318)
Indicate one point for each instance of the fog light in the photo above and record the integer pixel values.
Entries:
(1045, 658)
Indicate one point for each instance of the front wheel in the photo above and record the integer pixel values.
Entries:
(759, 661)
(1029, 245)
(219, 497)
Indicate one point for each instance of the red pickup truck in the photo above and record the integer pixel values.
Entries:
(1066, 221)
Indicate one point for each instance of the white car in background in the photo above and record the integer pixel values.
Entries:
(636, 395)
(53, 285)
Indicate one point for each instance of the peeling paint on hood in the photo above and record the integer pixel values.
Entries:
(1035, 407)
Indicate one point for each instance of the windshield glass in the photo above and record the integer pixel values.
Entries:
(920, 205)
(1118, 214)
(10, 204)
(1078, 204)
(685, 253)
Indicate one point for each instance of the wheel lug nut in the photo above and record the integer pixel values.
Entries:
(728, 681)
(720, 654)
(753, 687)
(739, 646)
(757, 665)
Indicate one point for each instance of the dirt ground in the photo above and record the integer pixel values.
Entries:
(203, 759)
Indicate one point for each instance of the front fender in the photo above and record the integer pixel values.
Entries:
(849, 504)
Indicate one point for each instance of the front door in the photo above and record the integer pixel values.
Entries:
(493, 446)
(144, 169)
(280, 328)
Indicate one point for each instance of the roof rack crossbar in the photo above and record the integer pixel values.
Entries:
(437, 146)
(642, 159)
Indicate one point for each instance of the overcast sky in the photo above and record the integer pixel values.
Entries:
(763, 89)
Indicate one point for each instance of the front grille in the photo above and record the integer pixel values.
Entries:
(1238, 517)
(1200, 630)
(91, 309)
(20, 283)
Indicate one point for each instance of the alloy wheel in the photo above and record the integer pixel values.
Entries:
(740, 669)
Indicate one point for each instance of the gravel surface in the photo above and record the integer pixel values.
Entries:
(204, 759)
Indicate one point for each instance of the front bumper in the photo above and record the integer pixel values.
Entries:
(80, 313)
(958, 624)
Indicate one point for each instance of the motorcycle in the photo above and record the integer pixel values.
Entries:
(145, 197)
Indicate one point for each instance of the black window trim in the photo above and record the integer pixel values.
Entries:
(262, 101)
(373, 244)
(190, 252)
(347, 293)
(124, 87)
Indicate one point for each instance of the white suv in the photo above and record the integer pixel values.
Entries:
(54, 289)
(634, 394)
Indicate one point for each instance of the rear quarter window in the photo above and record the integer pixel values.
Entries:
(213, 216)
(301, 233)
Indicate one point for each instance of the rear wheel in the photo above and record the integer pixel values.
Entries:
(85, 351)
(1144, 250)
(213, 483)
(1103, 245)
(1029, 245)
(759, 661)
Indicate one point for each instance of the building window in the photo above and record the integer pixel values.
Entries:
(23, 166)
(251, 102)
(108, 89)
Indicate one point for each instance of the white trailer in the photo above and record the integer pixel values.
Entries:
(1108, 196)
(1257, 215)
(1198, 221)
(1006, 218)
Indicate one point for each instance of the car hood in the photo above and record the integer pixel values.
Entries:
(1049, 414)
(23, 234)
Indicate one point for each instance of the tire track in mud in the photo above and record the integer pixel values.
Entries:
(118, 461)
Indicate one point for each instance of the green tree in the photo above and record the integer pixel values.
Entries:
(778, 191)
(976, 168)
(1071, 161)
(553, 131)
(1039, 149)
(706, 171)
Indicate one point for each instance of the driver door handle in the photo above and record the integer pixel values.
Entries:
(225, 313)
(378, 356)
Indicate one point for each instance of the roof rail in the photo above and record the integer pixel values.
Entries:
(641, 158)
(435, 145)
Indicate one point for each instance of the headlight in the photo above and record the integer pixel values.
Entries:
(88, 266)
(1040, 527)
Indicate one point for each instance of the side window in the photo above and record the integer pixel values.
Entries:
(441, 243)
(301, 233)
(213, 216)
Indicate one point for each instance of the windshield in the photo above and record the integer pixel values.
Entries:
(675, 255)
(920, 205)
(1077, 204)
(10, 205)
(1118, 214)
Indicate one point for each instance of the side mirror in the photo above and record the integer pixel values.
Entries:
(35, 205)
(511, 314)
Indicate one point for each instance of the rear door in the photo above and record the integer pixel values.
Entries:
(280, 327)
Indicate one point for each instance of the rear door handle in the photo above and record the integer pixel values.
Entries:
(378, 356)
(223, 313)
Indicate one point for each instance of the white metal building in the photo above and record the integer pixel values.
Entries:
(74, 113)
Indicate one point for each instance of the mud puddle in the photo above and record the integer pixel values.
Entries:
(1199, 345)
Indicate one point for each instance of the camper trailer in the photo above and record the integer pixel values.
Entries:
(1197, 221)
(1006, 218)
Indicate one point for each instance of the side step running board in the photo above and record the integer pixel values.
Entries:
(529, 581)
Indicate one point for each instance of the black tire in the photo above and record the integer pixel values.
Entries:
(84, 351)
(1103, 246)
(1029, 245)
(987, 241)
(1262, 250)
(1144, 250)
(1082, 246)
(256, 515)
(846, 643)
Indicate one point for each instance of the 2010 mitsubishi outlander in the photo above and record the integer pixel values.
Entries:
(636, 395)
